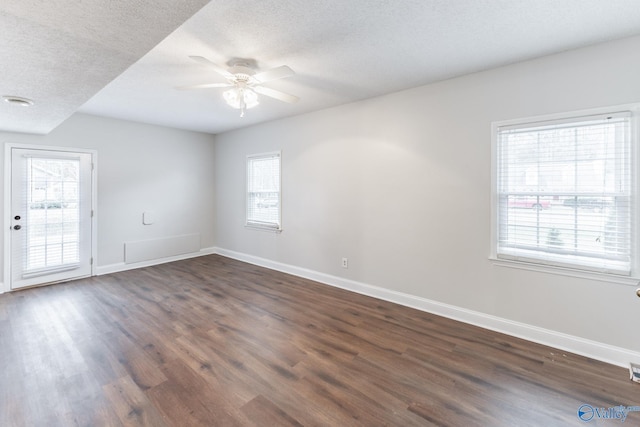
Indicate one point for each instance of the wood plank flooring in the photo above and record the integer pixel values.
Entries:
(212, 341)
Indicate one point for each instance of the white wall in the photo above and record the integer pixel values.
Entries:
(401, 185)
(140, 167)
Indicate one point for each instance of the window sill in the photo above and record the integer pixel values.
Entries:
(263, 228)
(563, 271)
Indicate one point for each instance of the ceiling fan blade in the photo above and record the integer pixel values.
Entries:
(274, 74)
(276, 94)
(224, 73)
(204, 86)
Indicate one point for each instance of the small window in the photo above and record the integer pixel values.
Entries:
(564, 193)
(263, 191)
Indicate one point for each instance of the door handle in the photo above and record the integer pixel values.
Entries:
(17, 227)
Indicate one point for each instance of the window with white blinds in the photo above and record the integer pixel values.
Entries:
(564, 193)
(263, 191)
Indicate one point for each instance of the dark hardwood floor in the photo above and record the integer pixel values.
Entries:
(214, 342)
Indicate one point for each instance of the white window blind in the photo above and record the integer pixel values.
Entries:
(564, 193)
(52, 222)
(263, 191)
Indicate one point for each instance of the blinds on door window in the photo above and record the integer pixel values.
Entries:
(52, 228)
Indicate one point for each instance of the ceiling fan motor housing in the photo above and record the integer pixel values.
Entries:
(242, 68)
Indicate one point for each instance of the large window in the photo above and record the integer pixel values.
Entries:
(565, 194)
(263, 191)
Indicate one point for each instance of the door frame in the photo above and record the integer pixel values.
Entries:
(6, 285)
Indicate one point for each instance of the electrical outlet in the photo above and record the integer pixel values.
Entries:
(345, 263)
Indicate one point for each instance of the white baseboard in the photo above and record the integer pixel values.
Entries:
(588, 348)
(121, 266)
(1, 288)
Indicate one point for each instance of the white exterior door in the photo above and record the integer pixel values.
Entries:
(51, 210)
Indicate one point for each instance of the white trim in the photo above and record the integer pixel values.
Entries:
(573, 270)
(633, 107)
(121, 266)
(604, 352)
(8, 146)
(7, 216)
(94, 211)
(273, 227)
(569, 272)
(573, 120)
(257, 226)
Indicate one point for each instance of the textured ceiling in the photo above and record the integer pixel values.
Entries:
(341, 51)
(60, 53)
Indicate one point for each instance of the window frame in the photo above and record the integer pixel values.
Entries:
(567, 269)
(250, 222)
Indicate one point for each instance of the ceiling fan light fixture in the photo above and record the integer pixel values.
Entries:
(245, 83)
(241, 98)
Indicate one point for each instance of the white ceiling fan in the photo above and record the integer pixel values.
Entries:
(245, 82)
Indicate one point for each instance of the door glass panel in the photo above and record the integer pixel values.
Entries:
(52, 223)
